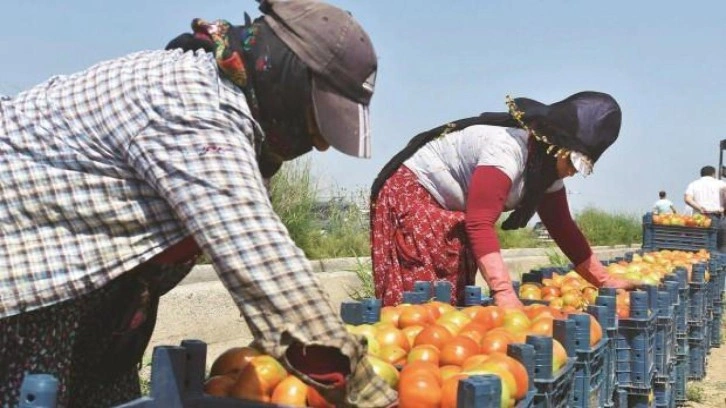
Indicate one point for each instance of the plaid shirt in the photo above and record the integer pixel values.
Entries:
(103, 169)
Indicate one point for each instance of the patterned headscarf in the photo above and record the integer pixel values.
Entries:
(275, 81)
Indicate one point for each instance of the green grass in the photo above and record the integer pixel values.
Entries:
(364, 273)
(605, 229)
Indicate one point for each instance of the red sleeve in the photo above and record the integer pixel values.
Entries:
(555, 215)
(488, 190)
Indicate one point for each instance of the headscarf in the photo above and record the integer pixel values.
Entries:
(275, 81)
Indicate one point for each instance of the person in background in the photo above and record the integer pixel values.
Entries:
(663, 205)
(707, 195)
(116, 178)
(435, 205)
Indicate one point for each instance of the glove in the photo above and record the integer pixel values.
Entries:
(500, 283)
(330, 368)
(594, 272)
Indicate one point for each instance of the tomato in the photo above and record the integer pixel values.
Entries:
(414, 315)
(542, 325)
(495, 341)
(521, 378)
(219, 385)
(419, 390)
(449, 390)
(434, 335)
(233, 360)
(458, 349)
(391, 336)
(258, 379)
(290, 392)
(424, 352)
(492, 317)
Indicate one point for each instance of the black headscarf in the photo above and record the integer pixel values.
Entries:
(586, 122)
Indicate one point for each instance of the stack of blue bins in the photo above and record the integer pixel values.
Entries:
(607, 300)
(698, 335)
(664, 383)
(635, 348)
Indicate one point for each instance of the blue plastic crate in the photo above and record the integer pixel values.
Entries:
(716, 329)
(657, 237)
(664, 395)
(556, 392)
(635, 353)
(679, 387)
(484, 391)
(590, 377)
(640, 401)
(696, 361)
(696, 302)
(664, 346)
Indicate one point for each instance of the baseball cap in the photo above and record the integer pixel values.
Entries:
(343, 63)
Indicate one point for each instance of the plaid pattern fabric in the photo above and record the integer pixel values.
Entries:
(102, 170)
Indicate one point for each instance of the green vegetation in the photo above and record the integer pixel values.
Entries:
(694, 393)
(555, 257)
(365, 290)
(339, 227)
(602, 228)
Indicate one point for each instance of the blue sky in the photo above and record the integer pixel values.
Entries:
(438, 61)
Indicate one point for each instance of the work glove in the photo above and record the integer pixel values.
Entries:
(594, 272)
(500, 283)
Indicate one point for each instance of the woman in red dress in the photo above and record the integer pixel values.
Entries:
(435, 204)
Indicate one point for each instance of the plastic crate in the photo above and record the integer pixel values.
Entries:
(657, 237)
(716, 329)
(696, 361)
(641, 401)
(552, 390)
(635, 346)
(484, 391)
(679, 387)
(664, 395)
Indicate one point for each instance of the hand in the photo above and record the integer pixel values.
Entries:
(618, 283)
(507, 299)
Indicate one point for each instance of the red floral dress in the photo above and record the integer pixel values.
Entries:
(414, 238)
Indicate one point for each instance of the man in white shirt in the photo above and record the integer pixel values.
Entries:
(706, 196)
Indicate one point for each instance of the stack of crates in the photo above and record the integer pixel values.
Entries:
(698, 335)
(665, 346)
(680, 277)
(718, 273)
(590, 364)
(635, 347)
(606, 300)
(551, 389)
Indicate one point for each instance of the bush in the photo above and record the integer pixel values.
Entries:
(602, 228)
(338, 229)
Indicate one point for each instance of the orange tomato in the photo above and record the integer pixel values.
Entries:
(258, 379)
(419, 390)
(424, 352)
(414, 315)
(595, 331)
(434, 335)
(392, 354)
(458, 349)
(411, 332)
(542, 325)
(448, 371)
(495, 341)
(521, 378)
(219, 385)
(450, 389)
(474, 361)
(559, 355)
(290, 392)
(391, 336)
(233, 360)
(492, 316)
(516, 321)
(390, 314)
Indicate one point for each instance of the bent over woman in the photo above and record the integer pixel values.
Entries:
(435, 204)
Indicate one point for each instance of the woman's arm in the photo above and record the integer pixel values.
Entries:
(554, 211)
(488, 191)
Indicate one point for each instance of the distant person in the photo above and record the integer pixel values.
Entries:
(663, 205)
(435, 205)
(706, 196)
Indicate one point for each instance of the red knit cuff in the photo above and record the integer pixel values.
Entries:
(554, 211)
(488, 192)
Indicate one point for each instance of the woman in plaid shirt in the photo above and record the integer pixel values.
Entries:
(114, 179)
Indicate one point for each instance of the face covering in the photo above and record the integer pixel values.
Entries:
(275, 81)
